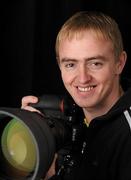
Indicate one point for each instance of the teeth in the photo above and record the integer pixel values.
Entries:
(85, 89)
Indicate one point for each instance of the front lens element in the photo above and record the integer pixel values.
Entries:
(18, 146)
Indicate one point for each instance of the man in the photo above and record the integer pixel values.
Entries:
(90, 55)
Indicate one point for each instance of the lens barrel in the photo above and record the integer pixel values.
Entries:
(27, 145)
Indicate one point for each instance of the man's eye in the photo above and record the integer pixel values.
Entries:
(95, 65)
(69, 65)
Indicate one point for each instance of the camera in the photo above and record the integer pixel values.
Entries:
(29, 140)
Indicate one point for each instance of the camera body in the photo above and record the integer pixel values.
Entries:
(29, 140)
(66, 121)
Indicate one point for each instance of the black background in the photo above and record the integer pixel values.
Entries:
(28, 31)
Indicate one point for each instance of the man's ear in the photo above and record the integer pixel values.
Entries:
(121, 62)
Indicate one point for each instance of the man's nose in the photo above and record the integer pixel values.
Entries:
(84, 75)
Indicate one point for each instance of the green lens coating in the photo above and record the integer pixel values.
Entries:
(18, 146)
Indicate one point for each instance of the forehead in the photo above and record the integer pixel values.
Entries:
(86, 42)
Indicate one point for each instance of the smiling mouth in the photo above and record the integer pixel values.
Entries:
(85, 89)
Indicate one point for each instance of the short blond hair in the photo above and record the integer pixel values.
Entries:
(97, 22)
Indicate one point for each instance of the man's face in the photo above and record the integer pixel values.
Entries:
(89, 70)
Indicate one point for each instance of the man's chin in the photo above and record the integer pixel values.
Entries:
(81, 104)
(84, 103)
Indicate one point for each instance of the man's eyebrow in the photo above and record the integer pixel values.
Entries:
(68, 60)
(95, 57)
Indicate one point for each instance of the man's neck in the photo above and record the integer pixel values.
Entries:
(91, 113)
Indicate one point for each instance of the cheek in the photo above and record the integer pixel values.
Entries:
(67, 77)
(105, 76)
(108, 77)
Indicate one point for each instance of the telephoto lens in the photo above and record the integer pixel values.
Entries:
(27, 145)
(29, 140)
